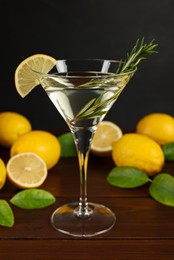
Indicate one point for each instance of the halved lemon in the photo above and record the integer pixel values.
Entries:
(106, 134)
(25, 78)
(26, 170)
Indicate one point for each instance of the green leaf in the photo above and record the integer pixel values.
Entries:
(127, 177)
(168, 150)
(162, 189)
(6, 214)
(68, 148)
(33, 199)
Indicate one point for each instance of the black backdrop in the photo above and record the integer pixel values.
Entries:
(89, 29)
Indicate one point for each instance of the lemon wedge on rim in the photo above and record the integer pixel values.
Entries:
(25, 79)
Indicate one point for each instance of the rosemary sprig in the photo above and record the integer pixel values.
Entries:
(96, 107)
(139, 52)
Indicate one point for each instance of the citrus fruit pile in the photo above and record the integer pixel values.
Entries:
(146, 149)
(32, 152)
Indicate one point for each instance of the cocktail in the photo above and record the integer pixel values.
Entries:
(83, 91)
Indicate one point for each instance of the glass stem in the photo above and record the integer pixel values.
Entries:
(83, 138)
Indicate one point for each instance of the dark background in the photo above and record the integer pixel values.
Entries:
(89, 29)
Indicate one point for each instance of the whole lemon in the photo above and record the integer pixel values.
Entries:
(3, 173)
(138, 151)
(42, 143)
(12, 125)
(158, 126)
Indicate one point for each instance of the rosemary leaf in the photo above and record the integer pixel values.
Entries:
(85, 108)
(96, 108)
(139, 52)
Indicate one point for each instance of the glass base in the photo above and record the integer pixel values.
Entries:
(97, 219)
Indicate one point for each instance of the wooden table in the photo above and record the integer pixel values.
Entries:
(144, 228)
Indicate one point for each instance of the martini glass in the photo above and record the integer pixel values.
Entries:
(83, 91)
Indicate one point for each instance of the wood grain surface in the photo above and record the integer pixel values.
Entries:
(144, 228)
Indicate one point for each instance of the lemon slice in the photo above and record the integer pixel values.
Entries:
(25, 78)
(26, 170)
(107, 132)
